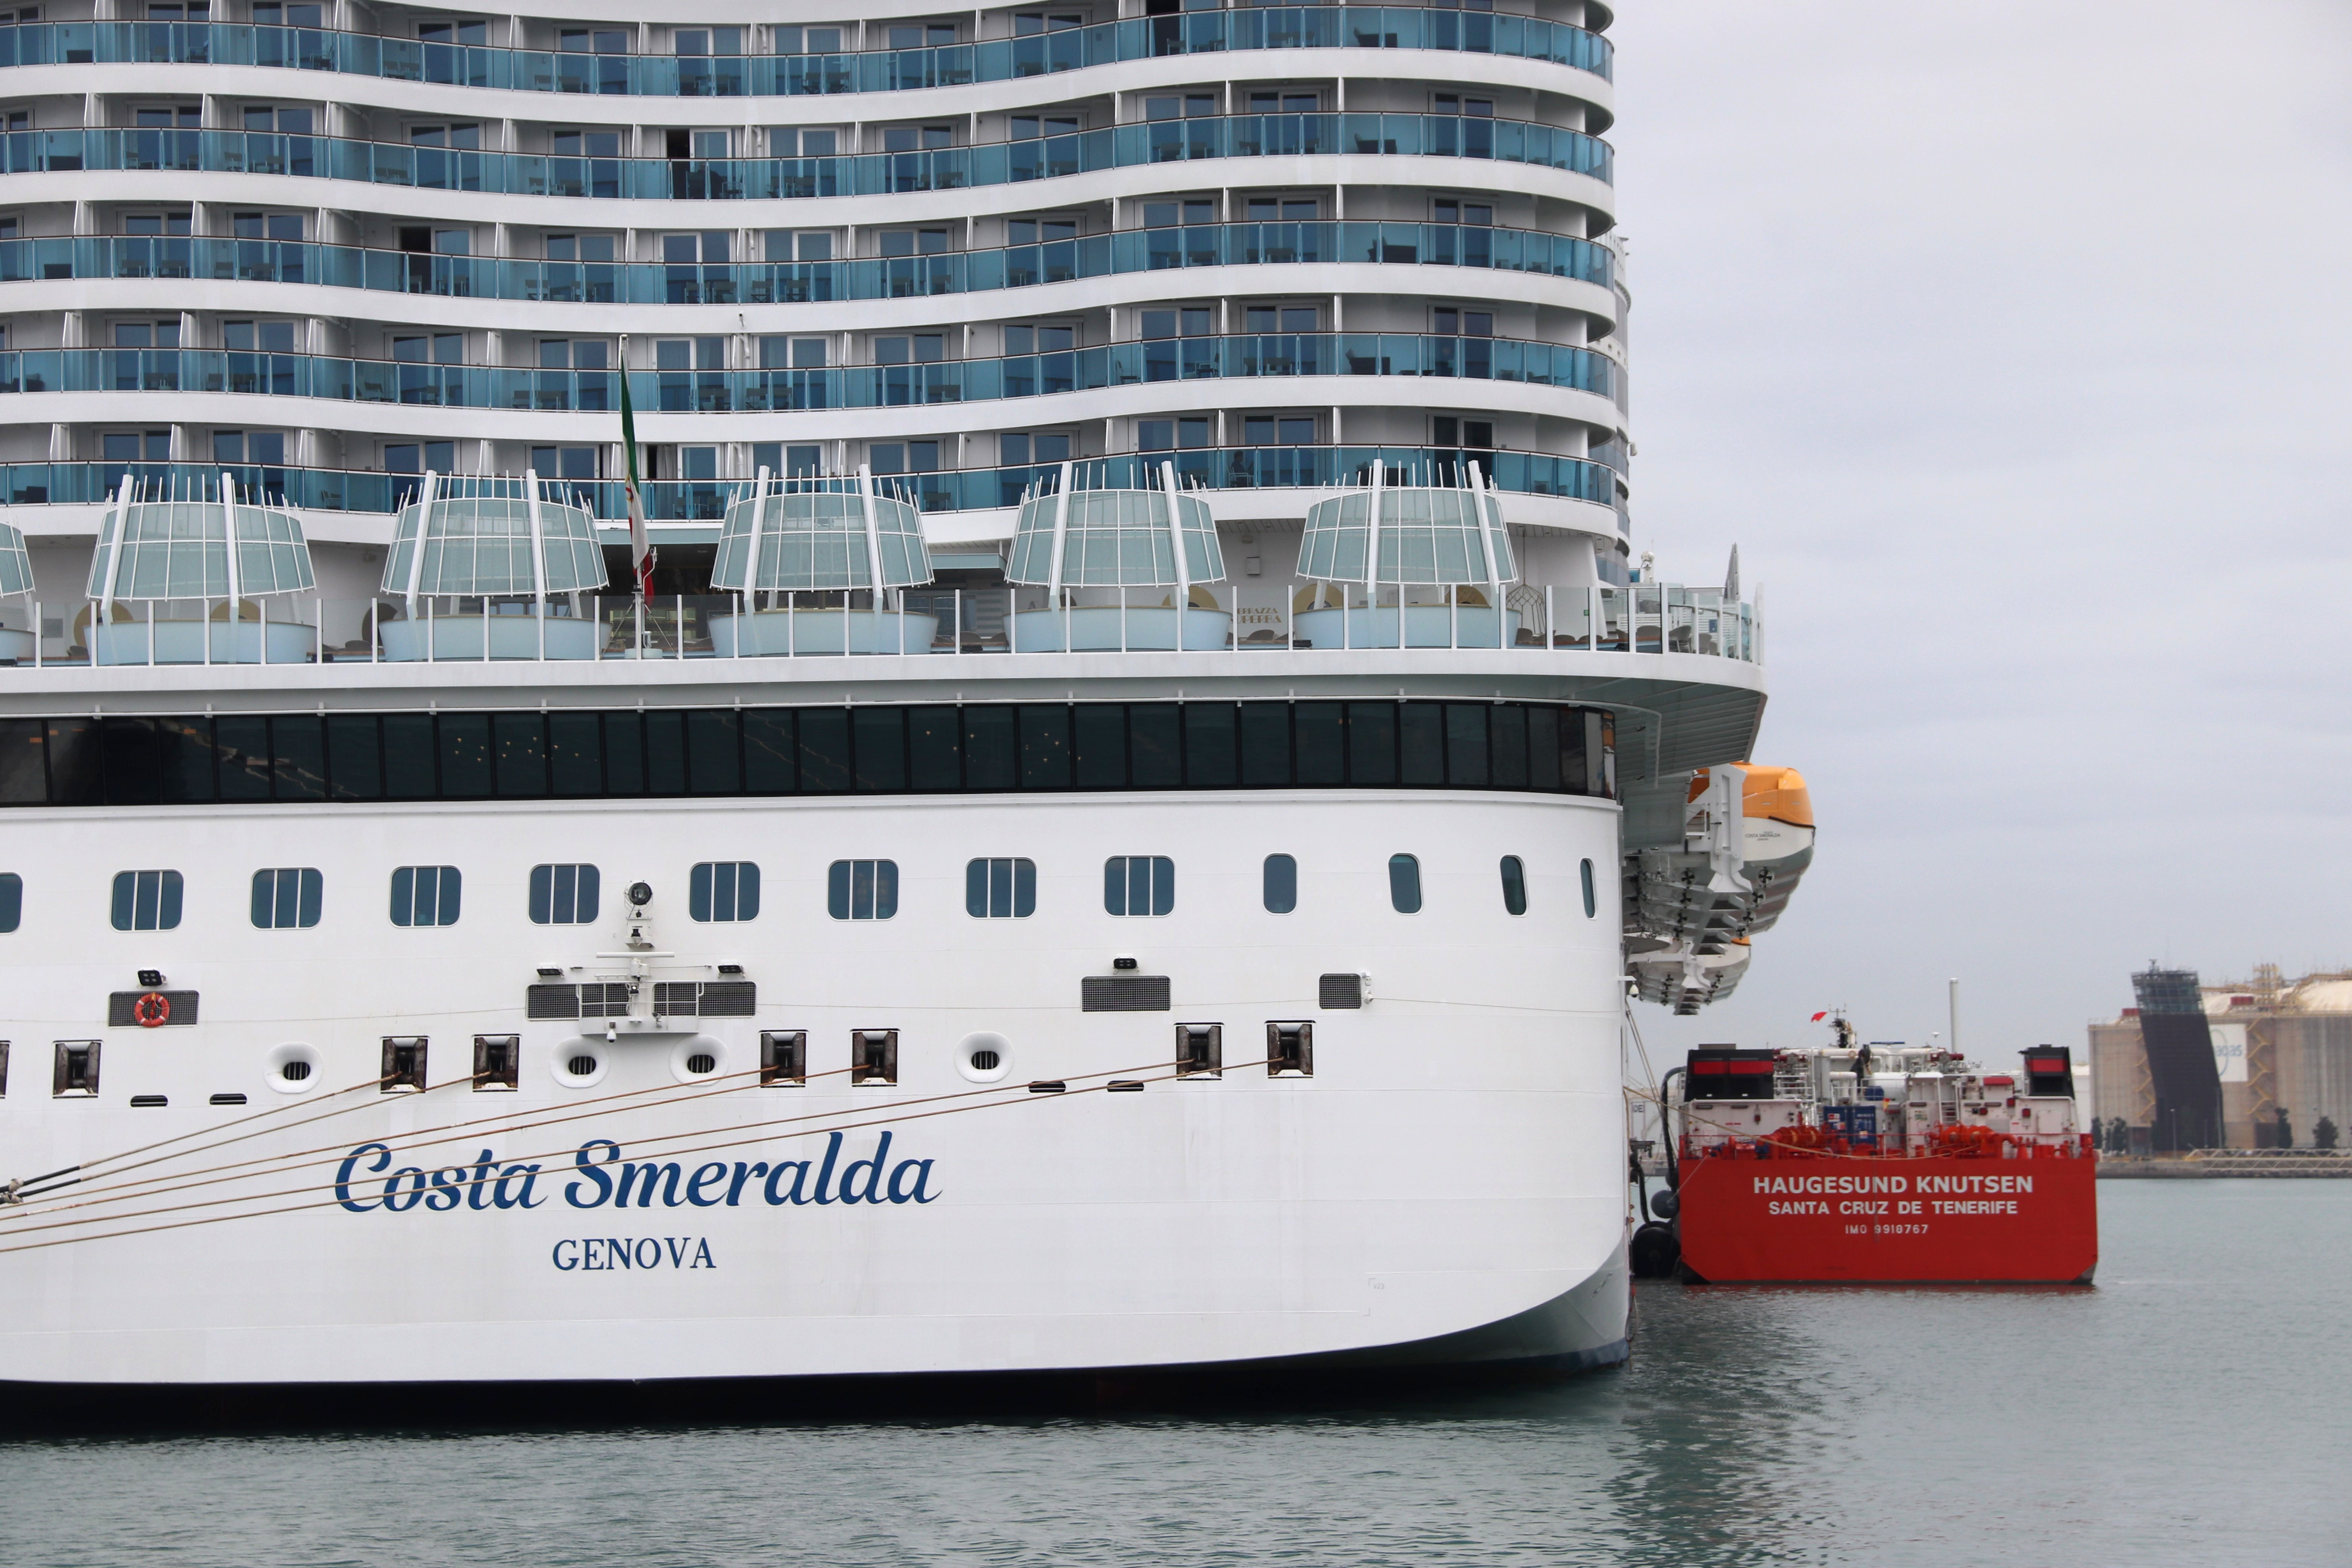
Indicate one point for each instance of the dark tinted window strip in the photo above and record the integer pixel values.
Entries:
(1029, 748)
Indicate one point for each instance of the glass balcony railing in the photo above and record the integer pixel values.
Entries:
(848, 387)
(762, 283)
(774, 179)
(1287, 617)
(805, 75)
(952, 490)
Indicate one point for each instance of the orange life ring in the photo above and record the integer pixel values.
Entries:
(151, 1010)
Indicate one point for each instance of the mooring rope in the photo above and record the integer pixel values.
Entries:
(1026, 1096)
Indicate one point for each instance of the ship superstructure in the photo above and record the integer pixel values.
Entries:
(1061, 871)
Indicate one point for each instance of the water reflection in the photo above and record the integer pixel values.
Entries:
(2189, 1406)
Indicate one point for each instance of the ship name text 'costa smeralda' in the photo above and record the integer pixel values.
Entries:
(774, 693)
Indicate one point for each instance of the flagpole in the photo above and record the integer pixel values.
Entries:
(641, 548)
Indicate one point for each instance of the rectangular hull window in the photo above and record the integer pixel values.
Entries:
(1004, 889)
(1515, 885)
(286, 897)
(724, 890)
(426, 896)
(1138, 885)
(147, 900)
(862, 889)
(564, 895)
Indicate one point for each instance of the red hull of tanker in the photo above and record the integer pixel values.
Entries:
(1940, 1220)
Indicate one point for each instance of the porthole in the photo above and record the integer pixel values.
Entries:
(1591, 894)
(292, 1068)
(578, 1062)
(984, 1058)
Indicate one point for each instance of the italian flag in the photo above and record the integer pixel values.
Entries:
(641, 544)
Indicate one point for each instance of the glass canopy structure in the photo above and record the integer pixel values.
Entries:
(15, 566)
(1069, 538)
(1422, 536)
(809, 534)
(492, 536)
(156, 550)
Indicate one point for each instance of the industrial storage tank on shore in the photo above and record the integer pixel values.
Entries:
(2281, 1055)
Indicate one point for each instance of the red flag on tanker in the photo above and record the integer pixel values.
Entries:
(641, 545)
(1817, 1017)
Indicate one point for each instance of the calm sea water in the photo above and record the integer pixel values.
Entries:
(2195, 1407)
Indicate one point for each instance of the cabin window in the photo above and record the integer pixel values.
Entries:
(426, 896)
(564, 895)
(1281, 884)
(862, 889)
(11, 900)
(1000, 889)
(1405, 884)
(286, 898)
(1515, 885)
(1138, 884)
(724, 890)
(4, 1069)
(146, 900)
(1591, 900)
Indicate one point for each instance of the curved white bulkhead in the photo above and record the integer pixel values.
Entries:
(1446, 1166)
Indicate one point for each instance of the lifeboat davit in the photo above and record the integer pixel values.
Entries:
(1692, 912)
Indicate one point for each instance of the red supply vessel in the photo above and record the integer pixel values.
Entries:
(1889, 1165)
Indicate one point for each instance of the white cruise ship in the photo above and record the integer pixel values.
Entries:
(1114, 829)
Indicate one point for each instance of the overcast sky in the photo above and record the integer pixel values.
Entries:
(2009, 342)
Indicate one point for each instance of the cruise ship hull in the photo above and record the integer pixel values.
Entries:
(1444, 1188)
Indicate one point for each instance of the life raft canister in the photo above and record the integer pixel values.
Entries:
(151, 1010)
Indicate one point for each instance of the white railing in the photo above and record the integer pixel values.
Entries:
(1643, 619)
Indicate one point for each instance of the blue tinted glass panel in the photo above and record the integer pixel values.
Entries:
(1281, 884)
(1514, 886)
(11, 900)
(1405, 884)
